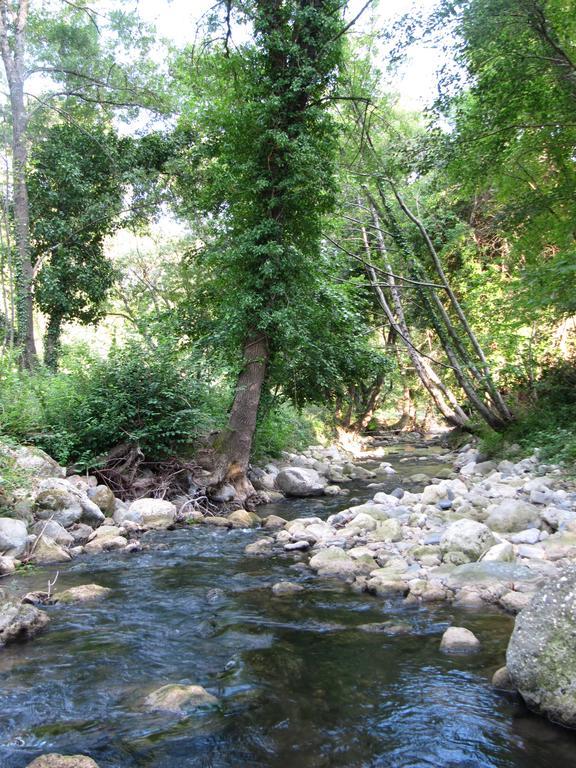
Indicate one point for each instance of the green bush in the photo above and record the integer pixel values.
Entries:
(159, 399)
(20, 406)
(546, 421)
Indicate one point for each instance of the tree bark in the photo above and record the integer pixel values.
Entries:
(234, 444)
(12, 47)
(485, 376)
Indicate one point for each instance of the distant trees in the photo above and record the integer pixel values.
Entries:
(79, 68)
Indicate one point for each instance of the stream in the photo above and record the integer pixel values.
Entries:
(301, 685)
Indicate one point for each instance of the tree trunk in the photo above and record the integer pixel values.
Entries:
(234, 444)
(444, 400)
(12, 48)
(485, 376)
(52, 342)
(369, 405)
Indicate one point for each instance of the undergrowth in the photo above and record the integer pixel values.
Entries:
(547, 421)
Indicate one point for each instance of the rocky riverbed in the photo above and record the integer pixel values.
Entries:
(460, 539)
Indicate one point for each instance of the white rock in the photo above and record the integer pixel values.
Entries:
(300, 481)
(467, 536)
(13, 536)
(150, 513)
(503, 552)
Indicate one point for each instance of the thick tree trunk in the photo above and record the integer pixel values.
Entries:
(234, 444)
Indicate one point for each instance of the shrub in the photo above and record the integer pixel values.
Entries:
(547, 421)
(158, 399)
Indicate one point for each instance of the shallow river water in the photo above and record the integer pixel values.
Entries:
(300, 685)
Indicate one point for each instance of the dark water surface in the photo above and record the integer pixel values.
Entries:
(301, 686)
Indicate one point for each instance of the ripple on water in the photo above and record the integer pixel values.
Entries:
(301, 684)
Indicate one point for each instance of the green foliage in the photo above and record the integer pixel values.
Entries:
(20, 410)
(75, 183)
(547, 421)
(158, 399)
(11, 476)
(513, 143)
(263, 168)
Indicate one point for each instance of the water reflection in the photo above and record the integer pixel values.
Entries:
(302, 683)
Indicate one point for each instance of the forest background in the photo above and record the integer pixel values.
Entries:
(256, 235)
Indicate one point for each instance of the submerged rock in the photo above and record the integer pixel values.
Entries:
(62, 761)
(459, 639)
(541, 657)
(178, 698)
(286, 588)
(502, 681)
(261, 547)
(83, 594)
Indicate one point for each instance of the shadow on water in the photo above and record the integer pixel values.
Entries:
(301, 683)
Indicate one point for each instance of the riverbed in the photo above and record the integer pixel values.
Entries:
(302, 681)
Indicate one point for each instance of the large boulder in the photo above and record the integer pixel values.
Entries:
(541, 658)
(46, 551)
(300, 481)
(13, 537)
(58, 504)
(467, 536)
(513, 515)
(149, 513)
(104, 499)
(54, 531)
(61, 501)
(20, 621)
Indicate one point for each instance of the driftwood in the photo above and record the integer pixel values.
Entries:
(130, 475)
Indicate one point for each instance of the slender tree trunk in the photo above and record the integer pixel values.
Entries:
(52, 342)
(444, 400)
(486, 375)
(12, 47)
